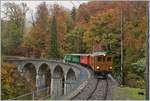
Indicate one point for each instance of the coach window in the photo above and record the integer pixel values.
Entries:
(109, 59)
(99, 59)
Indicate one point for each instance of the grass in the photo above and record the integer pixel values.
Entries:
(126, 93)
(49, 98)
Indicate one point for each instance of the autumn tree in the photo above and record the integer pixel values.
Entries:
(102, 31)
(12, 83)
(13, 27)
(38, 37)
(134, 32)
(83, 14)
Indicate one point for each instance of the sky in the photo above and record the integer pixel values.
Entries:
(33, 4)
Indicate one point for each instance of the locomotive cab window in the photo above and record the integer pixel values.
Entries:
(109, 59)
(99, 59)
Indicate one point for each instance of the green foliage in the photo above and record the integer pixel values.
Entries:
(73, 41)
(54, 53)
(139, 67)
(11, 36)
(135, 80)
(13, 27)
(102, 31)
(69, 24)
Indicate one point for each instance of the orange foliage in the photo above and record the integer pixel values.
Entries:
(8, 74)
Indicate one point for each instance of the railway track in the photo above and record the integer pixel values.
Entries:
(100, 91)
(96, 89)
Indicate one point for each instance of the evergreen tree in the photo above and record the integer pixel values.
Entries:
(73, 13)
(54, 53)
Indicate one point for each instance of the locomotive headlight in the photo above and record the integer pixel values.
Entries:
(97, 67)
(110, 67)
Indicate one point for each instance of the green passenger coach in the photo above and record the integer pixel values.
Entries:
(75, 58)
(67, 57)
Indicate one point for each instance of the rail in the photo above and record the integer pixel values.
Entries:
(105, 91)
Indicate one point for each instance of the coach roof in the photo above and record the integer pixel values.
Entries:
(99, 53)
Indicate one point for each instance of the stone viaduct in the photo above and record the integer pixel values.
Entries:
(61, 78)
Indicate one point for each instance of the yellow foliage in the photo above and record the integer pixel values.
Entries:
(7, 71)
